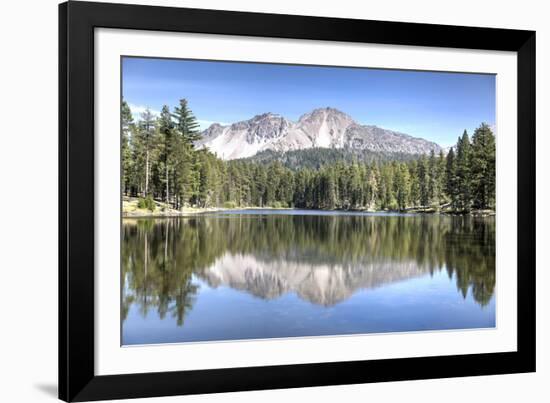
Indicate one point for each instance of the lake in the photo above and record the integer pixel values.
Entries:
(250, 274)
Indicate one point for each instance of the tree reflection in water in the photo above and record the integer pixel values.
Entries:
(324, 259)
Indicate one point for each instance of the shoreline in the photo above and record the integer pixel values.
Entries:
(130, 209)
(192, 211)
(195, 211)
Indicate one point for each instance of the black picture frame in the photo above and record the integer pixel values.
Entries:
(77, 379)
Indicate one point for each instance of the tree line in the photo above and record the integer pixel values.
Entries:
(160, 162)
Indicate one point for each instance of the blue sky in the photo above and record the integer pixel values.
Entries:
(435, 106)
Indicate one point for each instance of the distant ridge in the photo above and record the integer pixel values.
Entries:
(326, 128)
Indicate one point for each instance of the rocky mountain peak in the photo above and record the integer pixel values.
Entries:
(325, 113)
(321, 128)
(266, 116)
(325, 127)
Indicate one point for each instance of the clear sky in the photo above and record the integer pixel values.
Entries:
(435, 106)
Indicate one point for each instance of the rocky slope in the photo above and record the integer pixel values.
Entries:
(321, 128)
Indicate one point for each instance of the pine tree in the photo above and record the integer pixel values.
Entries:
(373, 186)
(433, 180)
(423, 181)
(144, 145)
(441, 167)
(388, 194)
(415, 185)
(355, 186)
(463, 172)
(187, 166)
(483, 167)
(274, 173)
(167, 142)
(328, 189)
(186, 123)
(205, 191)
(287, 190)
(402, 185)
(451, 182)
(301, 180)
(261, 185)
(127, 129)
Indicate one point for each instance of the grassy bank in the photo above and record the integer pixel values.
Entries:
(131, 207)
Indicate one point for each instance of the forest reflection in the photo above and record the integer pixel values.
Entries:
(323, 259)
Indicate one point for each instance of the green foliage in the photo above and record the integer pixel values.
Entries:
(146, 203)
(128, 130)
(278, 204)
(315, 158)
(230, 204)
(463, 171)
(161, 163)
(451, 179)
(402, 187)
(483, 168)
(423, 181)
(186, 123)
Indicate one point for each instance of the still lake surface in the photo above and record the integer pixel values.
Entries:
(250, 274)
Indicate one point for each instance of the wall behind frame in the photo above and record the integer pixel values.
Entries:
(28, 171)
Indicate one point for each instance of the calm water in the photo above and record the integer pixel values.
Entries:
(258, 274)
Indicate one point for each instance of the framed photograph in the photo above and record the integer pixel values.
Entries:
(257, 201)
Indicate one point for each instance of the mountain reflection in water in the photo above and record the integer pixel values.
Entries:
(170, 265)
(317, 283)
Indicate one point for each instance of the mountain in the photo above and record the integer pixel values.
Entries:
(324, 128)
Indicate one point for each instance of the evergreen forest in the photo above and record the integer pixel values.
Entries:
(160, 163)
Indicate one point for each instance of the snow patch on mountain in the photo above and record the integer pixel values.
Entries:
(323, 127)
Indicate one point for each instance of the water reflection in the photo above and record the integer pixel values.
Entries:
(322, 284)
(323, 260)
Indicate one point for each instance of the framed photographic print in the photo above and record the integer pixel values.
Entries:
(255, 201)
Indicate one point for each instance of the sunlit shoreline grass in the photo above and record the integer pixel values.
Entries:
(131, 209)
